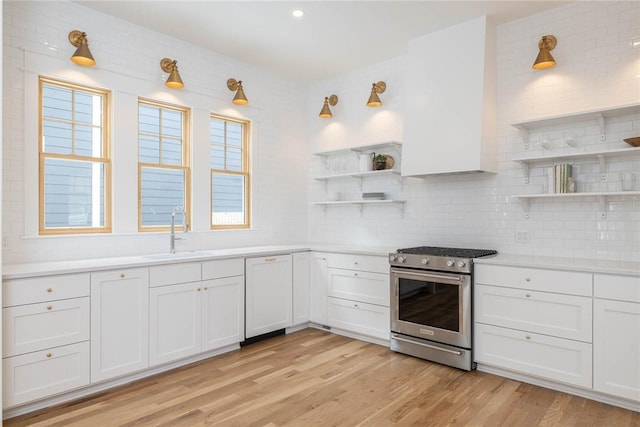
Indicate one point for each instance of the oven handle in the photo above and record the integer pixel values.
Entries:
(433, 347)
(431, 276)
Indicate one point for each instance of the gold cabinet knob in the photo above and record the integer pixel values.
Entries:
(355, 274)
(49, 307)
(205, 288)
(49, 290)
(122, 275)
(49, 354)
(528, 337)
(356, 262)
(198, 289)
(527, 279)
(527, 295)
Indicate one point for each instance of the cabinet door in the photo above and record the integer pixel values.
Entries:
(564, 316)
(35, 327)
(359, 286)
(41, 374)
(268, 294)
(616, 348)
(301, 287)
(222, 312)
(359, 317)
(175, 325)
(319, 288)
(547, 357)
(119, 322)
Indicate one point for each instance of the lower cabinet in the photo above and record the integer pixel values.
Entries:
(548, 357)
(269, 292)
(222, 312)
(319, 288)
(43, 373)
(359, 317)
(301, 287)
(616, 336)
(119, 322)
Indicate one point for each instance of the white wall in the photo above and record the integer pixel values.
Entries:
(128, 59)
(597, 67)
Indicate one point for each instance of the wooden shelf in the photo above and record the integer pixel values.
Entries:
(360, 148)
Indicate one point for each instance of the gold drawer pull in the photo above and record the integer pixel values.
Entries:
(527, 279)
(122, 275)
(527, 295)
(49, 290)
(49, 307)
(49, 354)
(270, 259)
(528, 337)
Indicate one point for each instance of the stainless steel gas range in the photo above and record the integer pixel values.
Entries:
(431, 303)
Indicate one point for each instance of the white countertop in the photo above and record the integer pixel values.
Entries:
(16, 271)
(572, 264)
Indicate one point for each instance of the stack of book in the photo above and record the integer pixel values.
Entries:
(558, 179)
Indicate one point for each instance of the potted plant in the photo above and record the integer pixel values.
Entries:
(380, 162)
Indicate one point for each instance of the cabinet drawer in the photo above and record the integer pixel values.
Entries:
(41, 374)
(358, 317)
(218, 269)
(375, 264)
(564, 316)
(552, 358)
(622, 288)
(564, 282)
(359, 286)
(35, 327)
(173, 274)
(46, 288)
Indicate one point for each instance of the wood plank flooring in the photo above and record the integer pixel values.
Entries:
(315, 378)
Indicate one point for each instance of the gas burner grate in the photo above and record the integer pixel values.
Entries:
(449, 252)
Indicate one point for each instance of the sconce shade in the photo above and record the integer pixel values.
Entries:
(544, 58)
(171, 66)
(325, 113)
(82, 55)
(239, 98)
(374, 99)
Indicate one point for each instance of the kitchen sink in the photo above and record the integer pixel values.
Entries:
(178, 255)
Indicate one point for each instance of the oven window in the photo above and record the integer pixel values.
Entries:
(430, 304)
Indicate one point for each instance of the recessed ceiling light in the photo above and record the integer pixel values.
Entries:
(297, 13)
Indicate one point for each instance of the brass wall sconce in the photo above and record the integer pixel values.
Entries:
(374, 99)
(544, 58)
(171, 66)
(240, 98)
(325, 113)
(82, 55)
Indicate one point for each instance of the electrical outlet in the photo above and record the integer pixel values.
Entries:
(523, 236)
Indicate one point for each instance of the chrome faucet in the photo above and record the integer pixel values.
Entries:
(173, 238)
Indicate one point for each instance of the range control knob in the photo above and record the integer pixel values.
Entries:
(392, 258)
(425, 261)
(401, 259)
(451, 263)
(461, 264)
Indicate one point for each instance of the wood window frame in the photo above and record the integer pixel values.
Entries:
(104, 159)
(246, 173)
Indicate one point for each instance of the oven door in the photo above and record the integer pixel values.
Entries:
(432, 305)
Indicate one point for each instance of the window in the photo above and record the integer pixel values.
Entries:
(230, 179)
(74, 162)
(163, 163)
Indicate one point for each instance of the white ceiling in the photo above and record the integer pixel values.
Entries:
(333, 37)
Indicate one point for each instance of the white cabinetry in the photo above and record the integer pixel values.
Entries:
(450, 124)
(359, 294)
(119, 322)
(45, 336)
(534, 321)
(194, 308)
(616, 335)
(301, 287)
(319, 288)
(222, 303)
(269, 290)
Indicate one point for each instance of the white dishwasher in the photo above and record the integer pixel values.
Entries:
(268, 294)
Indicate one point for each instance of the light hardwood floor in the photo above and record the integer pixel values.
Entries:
(315, 378)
